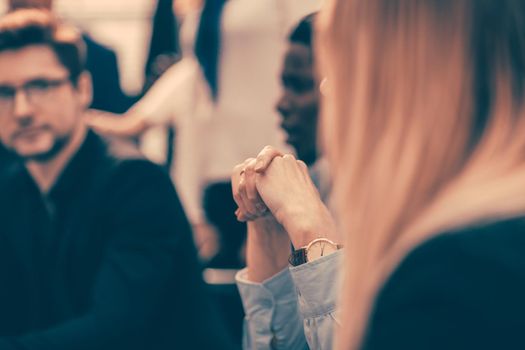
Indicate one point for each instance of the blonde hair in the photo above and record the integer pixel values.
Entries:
(423, 124)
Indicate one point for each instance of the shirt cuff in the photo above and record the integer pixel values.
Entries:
(277, 289)
(317, 284)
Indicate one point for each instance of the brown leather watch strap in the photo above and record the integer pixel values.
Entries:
(297, 257)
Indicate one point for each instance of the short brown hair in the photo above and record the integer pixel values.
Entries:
(26, 27)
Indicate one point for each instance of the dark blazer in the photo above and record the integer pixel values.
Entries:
(464, 290)
(101, 62)
(104, 261)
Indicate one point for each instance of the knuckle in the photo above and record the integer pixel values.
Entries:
(302, 164)
(251, 196)
(251, 164)
(242, 185)
(237, 168)
(264, 151)
(237, 198)
(289, 157)
(277, 160)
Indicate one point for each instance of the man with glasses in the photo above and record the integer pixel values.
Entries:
(95, 250)
(101, 63)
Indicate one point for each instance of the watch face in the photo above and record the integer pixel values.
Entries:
(320, 248)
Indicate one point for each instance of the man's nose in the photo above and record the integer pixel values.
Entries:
(284, 106)
(22, 107)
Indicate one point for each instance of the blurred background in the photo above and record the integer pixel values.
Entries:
(213, 107)
(123, 25)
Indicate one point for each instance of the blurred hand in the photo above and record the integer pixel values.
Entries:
(206, 240)
(127, 125)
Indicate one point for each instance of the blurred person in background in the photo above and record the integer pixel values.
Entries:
(221, 98)
(286, 308)
(164, 51)
(422, 122)
(101, 62)
(299, 103)
(95, 250)
(164, 48)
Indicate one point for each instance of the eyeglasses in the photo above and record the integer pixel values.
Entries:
(36, 91)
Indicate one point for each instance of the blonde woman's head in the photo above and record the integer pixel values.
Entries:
(424, 106)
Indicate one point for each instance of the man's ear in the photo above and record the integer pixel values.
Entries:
(85, 89)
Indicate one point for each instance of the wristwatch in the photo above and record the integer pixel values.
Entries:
(314, 250)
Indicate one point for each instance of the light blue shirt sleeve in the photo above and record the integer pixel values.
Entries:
(294, 309)
(317, 285)
(272, 318)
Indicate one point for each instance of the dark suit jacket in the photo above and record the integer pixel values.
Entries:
(104, 261)
(464, 290)
(101, 62)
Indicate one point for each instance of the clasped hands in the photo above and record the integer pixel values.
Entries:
(277, 187)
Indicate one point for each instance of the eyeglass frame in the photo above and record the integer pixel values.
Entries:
(31, 89)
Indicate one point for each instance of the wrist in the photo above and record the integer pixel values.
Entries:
(268, 247)
(303, 226)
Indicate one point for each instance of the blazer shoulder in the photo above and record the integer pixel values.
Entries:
(468, 284)
(122, 162)
(478, 251)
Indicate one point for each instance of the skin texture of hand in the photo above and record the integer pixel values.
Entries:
(282, 184)
(245, 193)
(268, 248)
(289, 193)
(250, 204)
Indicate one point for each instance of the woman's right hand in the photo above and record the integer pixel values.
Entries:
(287, 190)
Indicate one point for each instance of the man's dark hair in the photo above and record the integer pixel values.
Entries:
(303, 33)
(26, 27)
